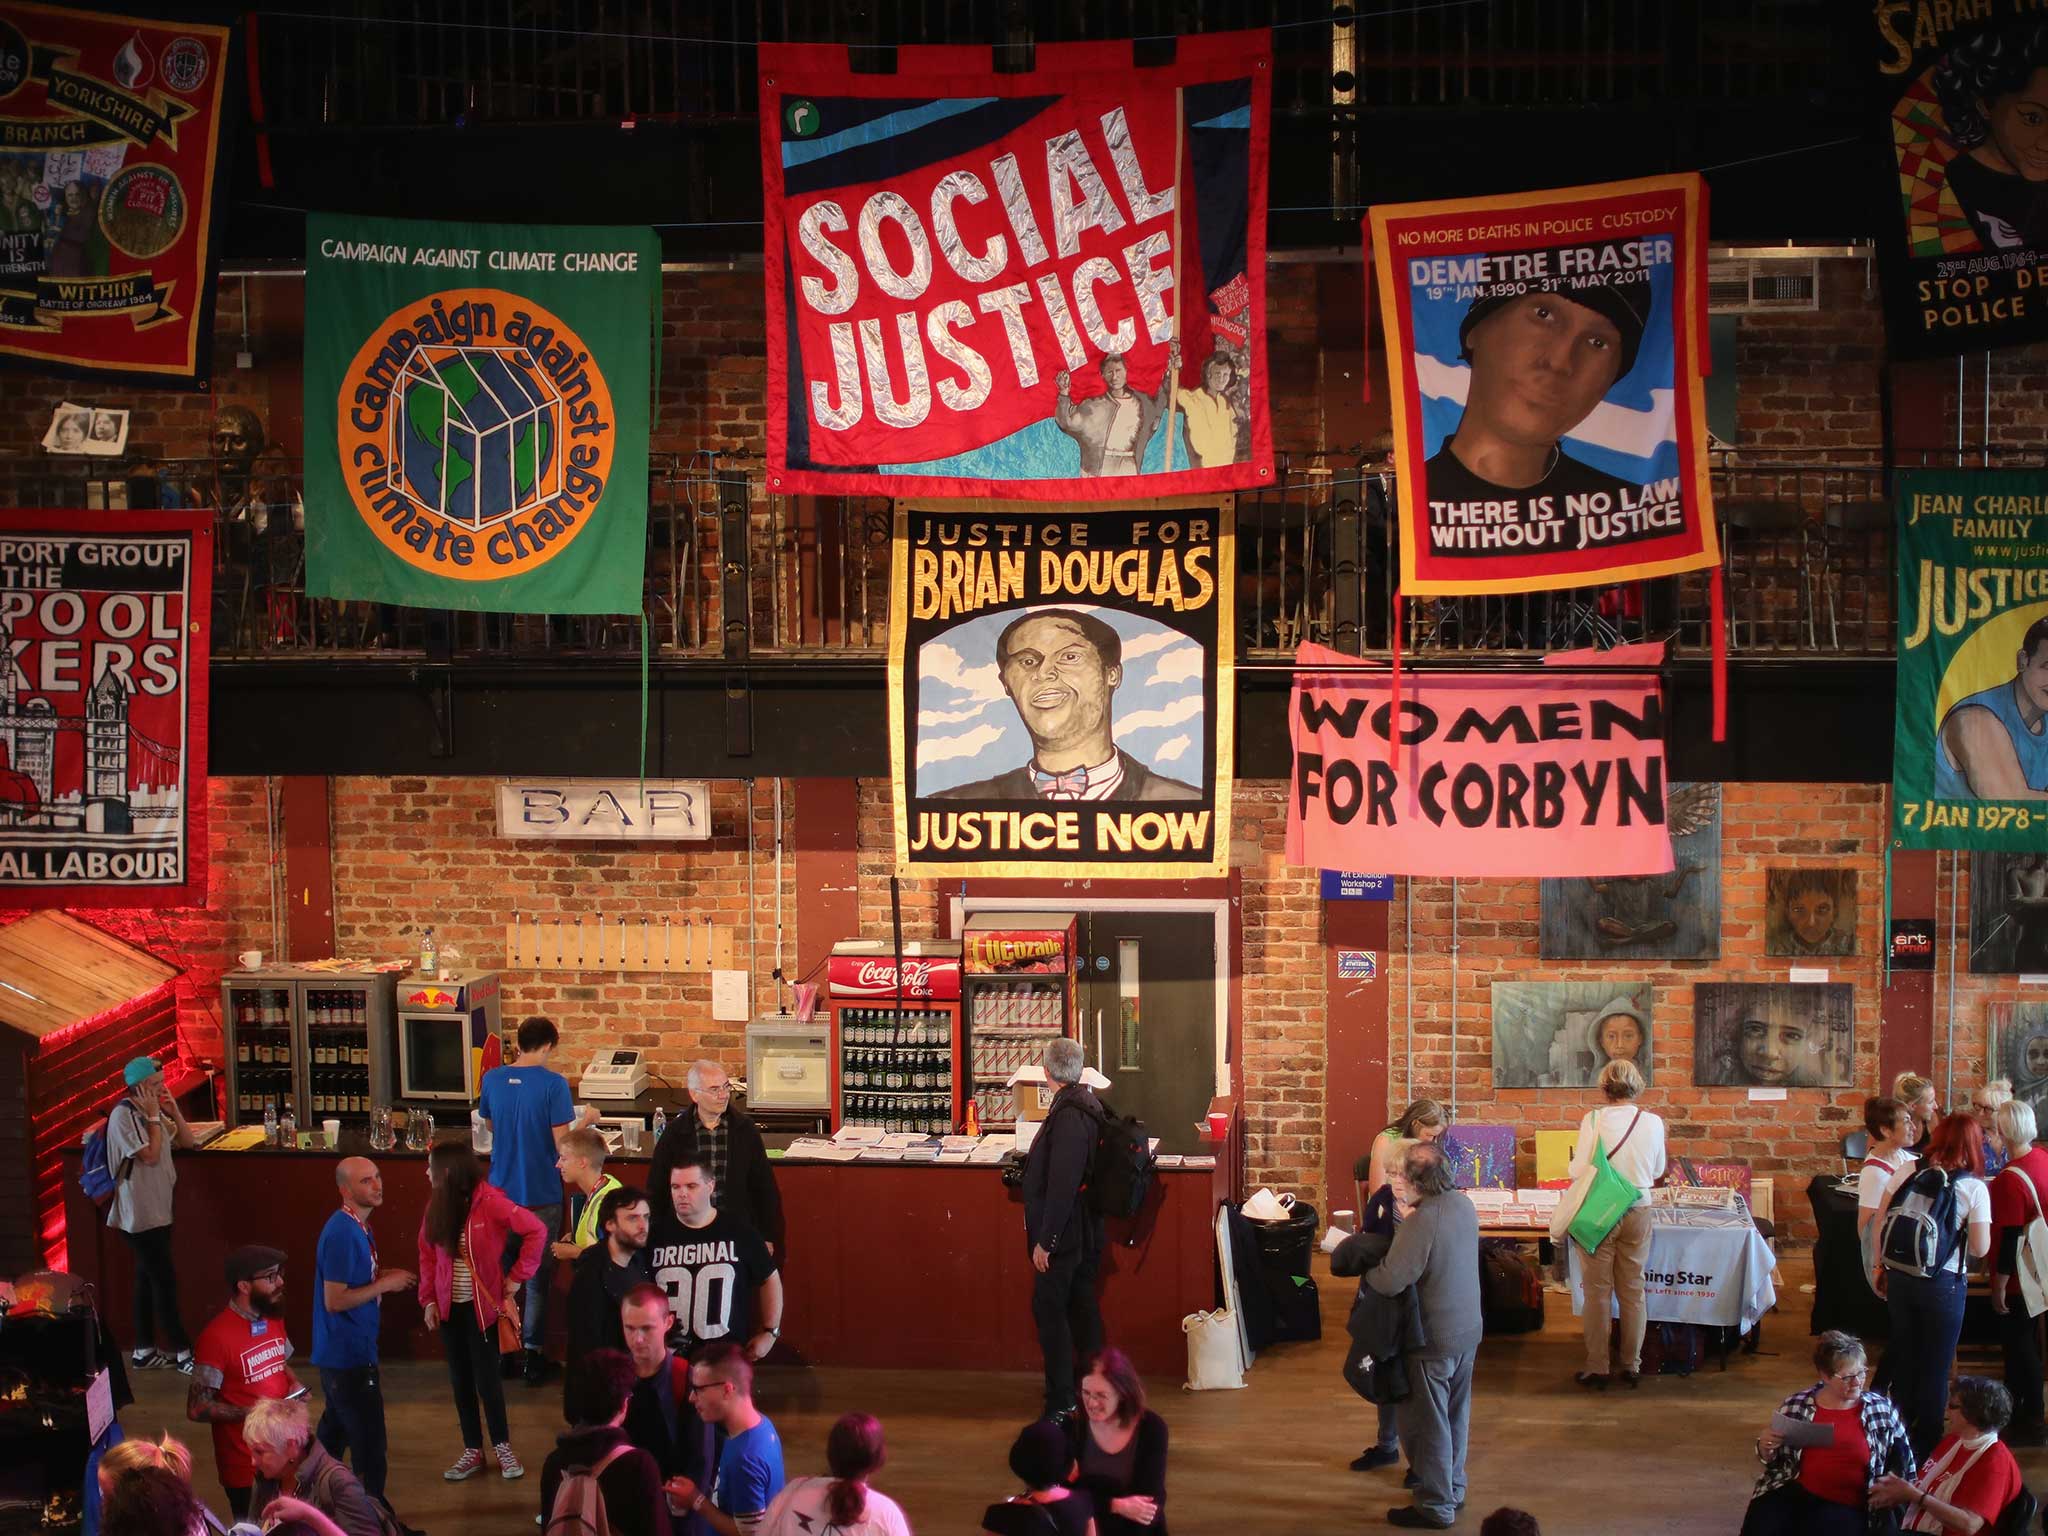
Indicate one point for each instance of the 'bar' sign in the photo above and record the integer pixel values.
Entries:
(614, 810)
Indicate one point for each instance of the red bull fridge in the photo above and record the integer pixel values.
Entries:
(309, 1039)
(448, 1037)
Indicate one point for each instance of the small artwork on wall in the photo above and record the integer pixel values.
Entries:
(1653, 917)
(1481, 1156)
(2019, 1046)
(1559, 1034)
(2008, 913)
(1809, 912)
(1773, 1034)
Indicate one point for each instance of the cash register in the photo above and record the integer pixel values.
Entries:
(615, 1074)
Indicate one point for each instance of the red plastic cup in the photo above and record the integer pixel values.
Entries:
(1219, 1125)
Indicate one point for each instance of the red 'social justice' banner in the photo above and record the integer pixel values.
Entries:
(1029, 285)
(1547, 352)
(109, 138)
(1543, 774)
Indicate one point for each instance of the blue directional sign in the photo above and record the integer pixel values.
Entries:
(1343, 885)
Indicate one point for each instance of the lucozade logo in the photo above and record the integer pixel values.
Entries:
(475, 433)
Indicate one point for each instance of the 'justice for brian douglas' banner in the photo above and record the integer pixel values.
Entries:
(1540, 774)
(103, 621)
(476, 413)
(1967, 211)
(1549, 419)
(1970, 750)
(1004, 284)
(109, 135)
(1060, 696)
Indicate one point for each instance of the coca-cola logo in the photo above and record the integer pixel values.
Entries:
(873, 973)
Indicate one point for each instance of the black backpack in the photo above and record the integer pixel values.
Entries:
(1121, 1167)
(1922, 1225)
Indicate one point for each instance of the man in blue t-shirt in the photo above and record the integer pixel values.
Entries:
(749, 1474)
(1993, 745)
(529, 1111)
(347, 1289)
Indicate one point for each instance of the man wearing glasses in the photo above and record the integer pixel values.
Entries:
(731, 1147)
(750, 1461)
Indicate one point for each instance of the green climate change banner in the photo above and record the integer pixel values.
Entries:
(1970, 755)
(476, 413)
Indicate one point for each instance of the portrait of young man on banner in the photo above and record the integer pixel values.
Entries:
(1970, 745)
(1060, 690)
(1035, 284)
(1549, 419)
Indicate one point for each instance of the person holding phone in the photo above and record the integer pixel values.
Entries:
(142, 1129)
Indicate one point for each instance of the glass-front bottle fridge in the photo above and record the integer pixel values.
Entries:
(1016, 993)
(896, 1040)
(316, 1042)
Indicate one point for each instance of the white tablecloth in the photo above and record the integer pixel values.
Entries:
(1704, 1267)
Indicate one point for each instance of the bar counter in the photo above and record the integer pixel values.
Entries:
(888, 1266)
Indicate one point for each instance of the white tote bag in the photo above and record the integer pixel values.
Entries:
(1212, 1351)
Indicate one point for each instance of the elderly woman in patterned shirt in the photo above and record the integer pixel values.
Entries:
(1824, 1490)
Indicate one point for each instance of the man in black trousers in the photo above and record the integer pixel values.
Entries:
(1064, 1231)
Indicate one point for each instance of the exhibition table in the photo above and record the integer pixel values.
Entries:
(1705, 1266)
(888, 1265)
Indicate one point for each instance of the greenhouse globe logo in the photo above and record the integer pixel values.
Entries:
(475, 433)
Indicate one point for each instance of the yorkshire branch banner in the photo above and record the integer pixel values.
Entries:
(104, 617)
(1060, 691)
(1966, 219)
(1970, 749)
(1041, 284)
(476, 413)
(1556, 773)
(109, 137)
(1547, 350)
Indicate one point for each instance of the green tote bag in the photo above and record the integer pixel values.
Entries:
(1608, 1197)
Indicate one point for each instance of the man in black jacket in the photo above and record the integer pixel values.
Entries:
(607, 1272)
(733, 1154)
(1064, 1231)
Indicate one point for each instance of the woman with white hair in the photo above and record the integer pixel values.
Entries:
(1633, 1140)
(290, 1462)
(2017, 1196)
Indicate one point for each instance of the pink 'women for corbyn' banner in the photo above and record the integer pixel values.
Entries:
(1558, 773)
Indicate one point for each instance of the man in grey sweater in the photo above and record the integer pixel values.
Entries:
(1436, 1250)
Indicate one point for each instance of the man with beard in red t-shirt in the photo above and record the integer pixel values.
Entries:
(243, 1357)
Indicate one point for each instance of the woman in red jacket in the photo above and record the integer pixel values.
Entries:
(465, 1236)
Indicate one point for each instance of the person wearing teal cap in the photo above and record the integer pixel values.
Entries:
(141, 1131)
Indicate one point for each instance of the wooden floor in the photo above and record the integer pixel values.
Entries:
(1674, 1456)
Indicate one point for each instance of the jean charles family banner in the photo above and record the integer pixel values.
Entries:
(109, 137)
(1966, 215)
(1547, 350)
(1970, 750)
(476, 413)
(1000, 284)
(103, 619)
(1554, 773)
(1060, 693)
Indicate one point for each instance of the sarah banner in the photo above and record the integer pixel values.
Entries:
(1547, 350)
(1970, 747)
(1040, 284)
(104, 619)
(1060, 691)
(476, 413)
(1967, 211)
(1534, 775)
(109, 138)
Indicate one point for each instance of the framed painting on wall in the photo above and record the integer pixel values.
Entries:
(1773, 1034)
(1809, 912)
(1559, 1034)
(1675, 916)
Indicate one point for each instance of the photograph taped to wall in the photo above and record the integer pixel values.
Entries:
(1676, 916)
(2008, 914)
(2019, 1048)
(1559, 1034)
(1773, 1034)
(1810, 912)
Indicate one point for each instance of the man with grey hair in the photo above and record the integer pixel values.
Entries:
(1436, 1250)
(289, 1460)
(1064, 1231)
(733, 1153)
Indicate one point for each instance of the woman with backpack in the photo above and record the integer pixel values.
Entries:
(1937, 1218)
(595, 1481)
(2018, 1196)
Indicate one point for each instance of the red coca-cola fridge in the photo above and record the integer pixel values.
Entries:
(896, 1040)
(1017, 992)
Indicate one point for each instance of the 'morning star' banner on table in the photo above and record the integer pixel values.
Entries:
(1060, 690)
(477, 412)
(1970, 748)
(980, 283)
(110, 127)
(1547, 350)
(1966, 212)
(1554, 773)
(104, 621)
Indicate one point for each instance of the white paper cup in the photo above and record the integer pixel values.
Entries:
(332, 1128)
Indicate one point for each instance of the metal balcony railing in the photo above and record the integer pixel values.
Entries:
(732, 571)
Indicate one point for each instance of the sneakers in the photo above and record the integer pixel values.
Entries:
(467, 1465)
(1374, 1458)
(508, 1464)
(183, 1363)
(158, 1360)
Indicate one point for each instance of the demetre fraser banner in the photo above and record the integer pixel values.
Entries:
(104, 619)
(1060, 691)
(1040, 284)
(1970, 750)
(1555, 773)
(1547, 350)
(476, 413)
(111, 131)
(1966, 213)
